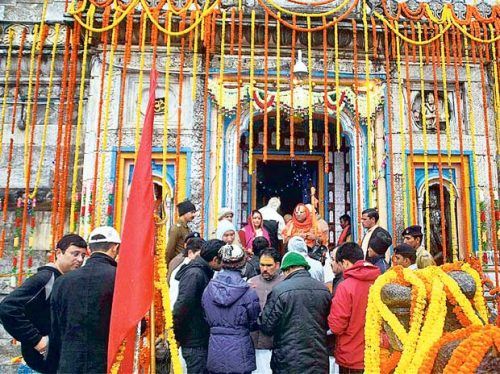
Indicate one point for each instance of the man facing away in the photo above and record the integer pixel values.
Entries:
(295, 314)
(298, 245)
(273, 221)
(178, 232)
(190, 327)
(81, 309)
(348, 310)
(25, 312)
(270, 275)
(380, 242)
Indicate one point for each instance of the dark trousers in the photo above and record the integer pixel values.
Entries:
(196, 359)
(344, 370)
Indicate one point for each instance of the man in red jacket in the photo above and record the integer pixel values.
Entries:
(348, 309)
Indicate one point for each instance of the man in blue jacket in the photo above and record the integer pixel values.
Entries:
(25, 312)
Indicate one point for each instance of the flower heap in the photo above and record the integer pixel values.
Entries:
(431, 288)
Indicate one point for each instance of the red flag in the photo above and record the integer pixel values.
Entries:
(134, 275)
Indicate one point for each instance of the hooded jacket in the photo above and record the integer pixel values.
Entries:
(348, 314)
(295, 313)
(190, 327)
(25, 314)
(231, 309)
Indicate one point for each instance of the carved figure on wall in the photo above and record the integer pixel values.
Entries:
(433, 107)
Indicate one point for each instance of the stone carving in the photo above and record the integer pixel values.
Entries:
(18, 31)
(434, 112)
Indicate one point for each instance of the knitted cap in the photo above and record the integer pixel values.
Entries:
(210, 249)
(185, 207)
(232, 256)
(404, 249)
(223, 211)
(294, 259)
(380, 241)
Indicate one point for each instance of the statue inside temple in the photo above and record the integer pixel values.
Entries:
(433, 108)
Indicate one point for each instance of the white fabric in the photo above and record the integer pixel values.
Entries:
(174, 283)
(316, 269)
(413, 267)
(183, 362)
(334, 368)
(327, 269)
(270, 214)
(263, 361)
(366, 240)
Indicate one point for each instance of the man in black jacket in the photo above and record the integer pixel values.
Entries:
(191, 329)
(296, 314)
(81, 309)
(25, 312)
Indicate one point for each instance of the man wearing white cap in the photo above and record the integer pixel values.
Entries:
(81, 309)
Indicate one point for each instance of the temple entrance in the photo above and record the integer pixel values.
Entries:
(290, 180)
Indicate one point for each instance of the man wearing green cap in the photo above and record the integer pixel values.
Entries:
(295, 314)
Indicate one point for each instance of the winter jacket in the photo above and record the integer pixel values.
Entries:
(263, 287)
(296, 313)
(348, 312)
(251, 268)
(81, 311)
(190, 327)
(379, 261)
(231, 309)
(25, 314)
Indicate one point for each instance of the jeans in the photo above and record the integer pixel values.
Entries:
(196, 359)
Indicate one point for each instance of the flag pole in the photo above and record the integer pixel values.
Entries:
(137, 348)
(152, 333)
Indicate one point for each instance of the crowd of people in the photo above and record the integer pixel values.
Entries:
(273, 297)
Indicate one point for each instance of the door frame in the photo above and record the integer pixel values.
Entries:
(285, 157)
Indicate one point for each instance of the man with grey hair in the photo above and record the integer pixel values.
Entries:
(273, 221)
(298, 245)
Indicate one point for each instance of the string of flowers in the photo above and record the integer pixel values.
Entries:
(292, 84)
(435, 61)
(411, 182)
(310, 84)
(93, 195)
(368, 104)
(60, 131)
(238, 74)
(325, 98)
(479, 301)
(107, 106)
(469, 354)
(220, 116)
(6, 85)
(121, 99)
(428, 363)
(425, 137)
(90, 17)
(68, 122)
(195, 60)
(205, 113)
(390, 123)
(251, 91)
(458, 94)
(337, 85)
(161, 247)
(27, 176)
(278, 85)
(11, 144)
(47, 111)
(168, 20)
(266, 81)
(356, 114)
(488, 146)
(179, 110)
(472, 122)
(402, 137)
